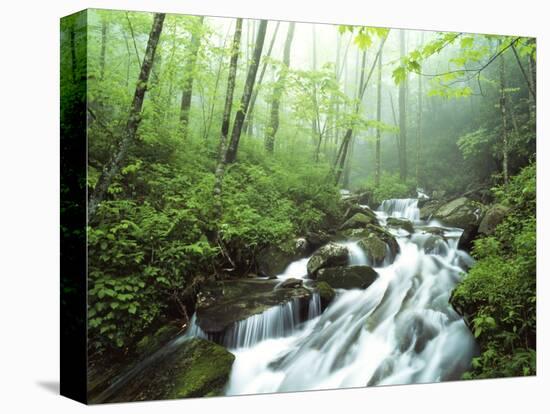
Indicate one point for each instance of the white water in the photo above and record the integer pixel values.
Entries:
(400, 330)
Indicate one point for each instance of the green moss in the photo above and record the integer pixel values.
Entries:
(374, 247)
(326, 292)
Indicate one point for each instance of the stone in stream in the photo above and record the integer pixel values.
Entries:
(429, 208)
(400, 224)
(326, 293)
(359, 208)
(236, 300)
(353, 277)
(331, 254)
(378, 244)
(273, 260)
(462, 213)
(358, 221)
(196, 368)
(290, 283)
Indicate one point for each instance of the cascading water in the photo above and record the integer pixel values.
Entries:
(400, 330)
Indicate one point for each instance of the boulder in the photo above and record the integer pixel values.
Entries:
(317, 239)
(463, 213)
(327, 294)
(273, 260)
(290, 283)
(357, 208)
(238, 299)
(429, 208)
(358, 221)
(492, 218)
(400, 224)
(330, 254)
(353, 277)
(188, 368)
(374, 248)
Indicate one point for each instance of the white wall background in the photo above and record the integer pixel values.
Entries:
(29, 208)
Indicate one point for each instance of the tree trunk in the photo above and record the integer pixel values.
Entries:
(114, 165)
(103, 49)
(402, 115)
(187, 90)
(419, 120)
(278, 92)
(220, 168)
(504, 121)
(248, 87)
(248, 121)
(378, 119)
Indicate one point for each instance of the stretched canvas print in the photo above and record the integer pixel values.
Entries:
(257, 206)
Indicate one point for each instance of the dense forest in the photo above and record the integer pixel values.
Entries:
(222, 152)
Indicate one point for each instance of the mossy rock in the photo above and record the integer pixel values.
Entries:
(353, 277)
(375, 248)
(492, 218)
(273, 260)
(331, 254)
(400, 224)
(327, 294)
(150, 343)
(358, 221)
(195, 368)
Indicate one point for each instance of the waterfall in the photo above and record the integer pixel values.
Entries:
(400, 330)
(276, 322)
(406, 208)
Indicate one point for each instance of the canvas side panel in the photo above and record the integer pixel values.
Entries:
(73, 70)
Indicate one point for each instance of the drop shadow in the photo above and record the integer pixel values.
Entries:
(51, 386)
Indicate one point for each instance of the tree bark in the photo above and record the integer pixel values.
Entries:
(248, 121)
(378, 119)
(402, 115)
(278, 92)
(222, 150)
(245, 100)
(504, 121)
(187, 90)
(112, 168)
(103, 49)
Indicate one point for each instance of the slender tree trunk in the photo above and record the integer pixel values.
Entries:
(222, 156)
(113, 167)
(347, 167)
(532, 92)
(402, 115)
(72, 42)
(247, 93)
(189, 69)
(504, 121)
(378, 119)
(278, 92)
(248, 121)
(395, 123)
(419, 120)
(103, 49)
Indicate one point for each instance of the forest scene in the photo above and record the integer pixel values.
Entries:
(282, 206)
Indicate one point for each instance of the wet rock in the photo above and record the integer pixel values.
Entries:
(357, 208)
(195, 368)
(462, 213)
(374, 248)
(236, 300)
(150, 343)
(353, 277)
(327, 294)
(273, 260)
(317, 239)
(331, 254)
(492, 218)
(400, 224)
(358, 221)
(435, 245)
(429, 208)
(290, 283)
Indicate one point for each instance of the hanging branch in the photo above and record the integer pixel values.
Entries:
(133, 37)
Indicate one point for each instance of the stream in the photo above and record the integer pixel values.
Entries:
(400, 330)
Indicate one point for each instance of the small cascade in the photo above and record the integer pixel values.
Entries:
(276, 322)
(406, 208)
(296, 270)
(357, 256)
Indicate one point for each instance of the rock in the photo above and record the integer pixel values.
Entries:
(356, 208)
(330, 254)
(374, 248)
(492, 218)
(358, 221)
(462, 213)
(354, 277)
(429, 208)
(290, 283)
(150, 343)
(317, 239)
(327, 294)
(301, 246)
(436, 231)
(435, 245)
(196, 368)
(400, 224)
(239, 299)
(273, 260)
